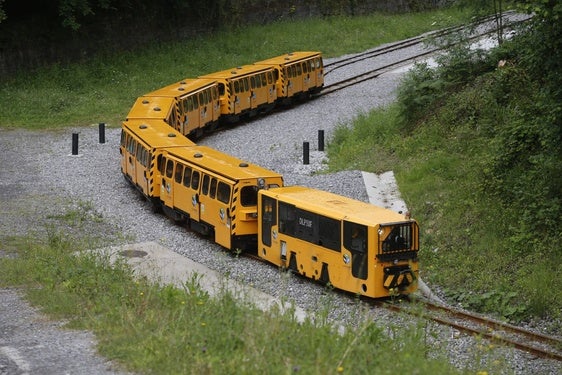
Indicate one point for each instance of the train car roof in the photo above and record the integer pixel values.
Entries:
(335, 206)
(289, 58)
(221, 163)
(153, 107)
(157, 134)
(236, 72)
(182, 87)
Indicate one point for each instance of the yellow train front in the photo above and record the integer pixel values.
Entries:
(352, 245)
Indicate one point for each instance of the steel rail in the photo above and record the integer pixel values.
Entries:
(489, 328)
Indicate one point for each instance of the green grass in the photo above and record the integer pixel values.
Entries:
(467, 244)
(104, 88)
(150, 328)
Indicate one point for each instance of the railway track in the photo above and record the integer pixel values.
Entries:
(402, 45)
(497, 332)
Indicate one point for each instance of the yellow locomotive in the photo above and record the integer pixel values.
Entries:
(352, 245)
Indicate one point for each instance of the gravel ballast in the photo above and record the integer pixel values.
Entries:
(41, 179)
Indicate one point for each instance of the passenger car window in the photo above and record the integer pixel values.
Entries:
(187, 177)
(223, 192)
(213, 190)
(169, 168)
(179, 172)
(195, 180)
(205, 186)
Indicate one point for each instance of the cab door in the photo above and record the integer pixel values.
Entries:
(243, 94)
(141, 160)
(297, 79)
(166, 189)
(129, 162)
(191, 121)
(269, 246)
(308, 81)
(259, 92)
(215, 210)
(192, 179)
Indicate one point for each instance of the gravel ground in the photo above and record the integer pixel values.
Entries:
(39, 178)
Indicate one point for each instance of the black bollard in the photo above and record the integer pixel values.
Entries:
(102, 132)
(74, 143)
(320, 140)
(305, 153)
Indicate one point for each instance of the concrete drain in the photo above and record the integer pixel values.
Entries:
(133, 253)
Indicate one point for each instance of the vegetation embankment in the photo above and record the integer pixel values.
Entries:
(475, 145)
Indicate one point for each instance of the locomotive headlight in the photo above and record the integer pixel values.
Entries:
(381, 231)
(261, 183)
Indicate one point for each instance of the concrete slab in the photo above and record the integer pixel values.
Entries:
(383, 191)
(164, 266)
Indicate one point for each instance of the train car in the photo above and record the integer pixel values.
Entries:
(299, 74)
(215, 193)
(245, 91)
(140, 144)
(190, 106)
(352, 245)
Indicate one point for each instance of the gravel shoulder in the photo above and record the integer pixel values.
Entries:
(40, 179)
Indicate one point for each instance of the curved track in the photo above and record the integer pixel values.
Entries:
(538, 344)
(482, 24)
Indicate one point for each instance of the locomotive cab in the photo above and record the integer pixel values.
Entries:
(349, 244)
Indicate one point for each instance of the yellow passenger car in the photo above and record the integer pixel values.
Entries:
(352, 245)
(298, 73)
(140, 141)
(190, 106)
(216, 193)
(246, 90)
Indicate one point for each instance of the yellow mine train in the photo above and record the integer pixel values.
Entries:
(198, 105)
(351, 245)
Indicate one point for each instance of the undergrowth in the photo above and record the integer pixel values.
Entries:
(478, 161)
(152, 328)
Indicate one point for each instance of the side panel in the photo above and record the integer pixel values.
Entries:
(215, 198)
(190, 121)
(141, 163)
(242, 93)
(167, 187)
